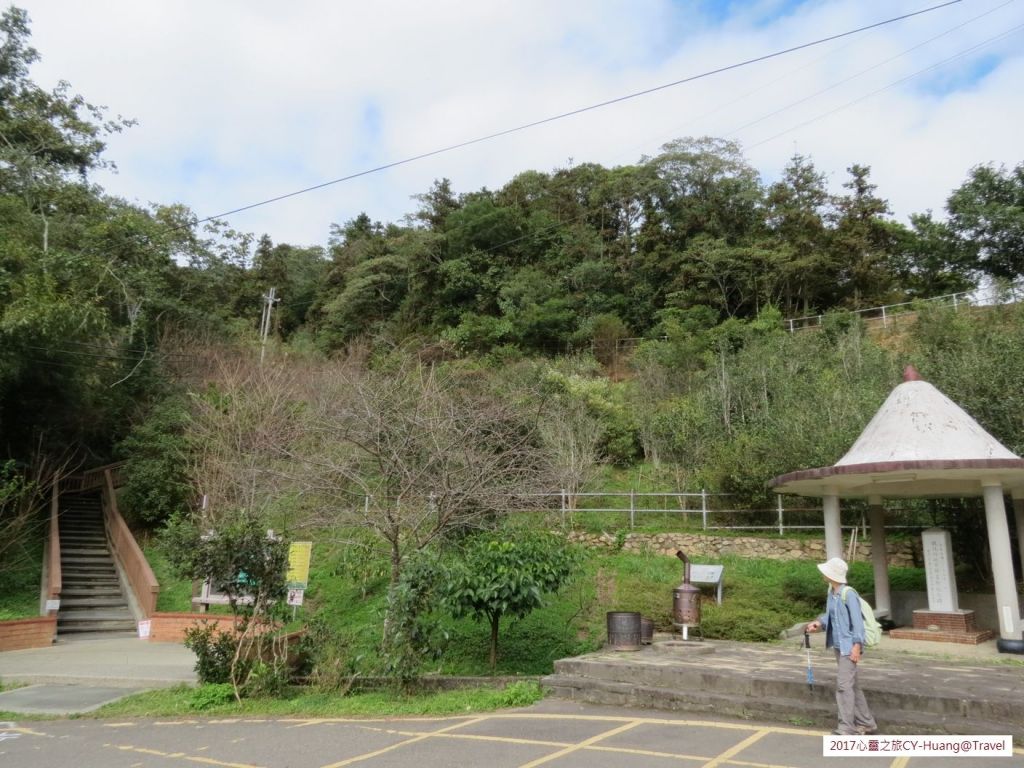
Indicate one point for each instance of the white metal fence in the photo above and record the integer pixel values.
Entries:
(713, 511)
(891, 313)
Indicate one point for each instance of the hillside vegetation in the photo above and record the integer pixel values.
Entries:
(423, 381)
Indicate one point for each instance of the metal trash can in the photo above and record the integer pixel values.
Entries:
(646, 631)
(623, 630)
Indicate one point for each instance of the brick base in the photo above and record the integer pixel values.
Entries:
(963, 638)
(171, 627)
(961, 621)
(27, 633)
(944, 627)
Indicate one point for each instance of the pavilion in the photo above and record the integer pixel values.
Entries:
(921, 444)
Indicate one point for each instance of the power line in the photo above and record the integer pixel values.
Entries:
(868, 69)
(893, 84)
(581, 110)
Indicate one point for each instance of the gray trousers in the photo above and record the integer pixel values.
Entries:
(853, 707)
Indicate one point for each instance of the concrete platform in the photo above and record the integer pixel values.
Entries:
(60, 699)
(910, 689)
(120, 661)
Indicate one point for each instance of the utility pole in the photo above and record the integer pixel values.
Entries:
(269, 300)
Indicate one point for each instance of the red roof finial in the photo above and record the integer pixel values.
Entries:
(910, 374)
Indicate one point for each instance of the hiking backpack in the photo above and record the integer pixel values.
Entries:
(872, 629)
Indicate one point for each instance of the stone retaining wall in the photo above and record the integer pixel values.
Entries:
(27, 633)
(902, 553)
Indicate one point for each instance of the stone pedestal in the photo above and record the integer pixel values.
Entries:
(944, 627)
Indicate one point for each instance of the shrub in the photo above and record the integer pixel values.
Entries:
(214, 650)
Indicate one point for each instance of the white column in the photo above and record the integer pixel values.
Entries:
(833, 528)
(879, 556)
(1018, 513)
(1007, 605)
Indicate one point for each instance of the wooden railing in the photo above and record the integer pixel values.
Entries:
(93, 479)
(53, 572)
(137, 571)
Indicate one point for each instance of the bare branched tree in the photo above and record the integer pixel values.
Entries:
(413, 456)
(242, 425)
(571, 437)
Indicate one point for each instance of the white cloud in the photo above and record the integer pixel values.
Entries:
(242, 101)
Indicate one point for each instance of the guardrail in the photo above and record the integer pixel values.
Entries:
(1008, 294)
(136, 568)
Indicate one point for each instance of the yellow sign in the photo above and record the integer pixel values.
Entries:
(299, 554)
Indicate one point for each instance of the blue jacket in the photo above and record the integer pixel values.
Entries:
(842, 621)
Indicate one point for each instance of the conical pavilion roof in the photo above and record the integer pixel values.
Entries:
(919, 443)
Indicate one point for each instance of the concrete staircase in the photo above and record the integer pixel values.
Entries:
(91, 599)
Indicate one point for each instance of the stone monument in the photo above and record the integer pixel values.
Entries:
(944, 620)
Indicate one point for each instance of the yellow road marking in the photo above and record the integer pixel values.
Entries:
(735, 750)
(368, 755)
(180, 756)
(118, 725)
(899, 762)
(582, 744)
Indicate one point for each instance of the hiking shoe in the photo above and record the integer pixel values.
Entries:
(863, 730)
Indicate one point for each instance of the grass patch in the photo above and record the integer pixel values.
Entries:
(175, 594)
(183, 700)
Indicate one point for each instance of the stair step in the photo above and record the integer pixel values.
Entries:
(86, 580)
(94, 614)
(84, 603)
(76, 592)
(97, 626)
(80, 551)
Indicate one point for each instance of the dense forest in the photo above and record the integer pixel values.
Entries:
(133, 332)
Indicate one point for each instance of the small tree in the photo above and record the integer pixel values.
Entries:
(249, 566)
(496, 577)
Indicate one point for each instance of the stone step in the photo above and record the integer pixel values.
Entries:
(93, 614)
(730, 683)
(82, 603)
(816, 708)
(119, 625)
(91, 580)
(78, 591)
(84, 551)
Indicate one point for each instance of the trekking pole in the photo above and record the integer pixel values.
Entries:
(810, 672)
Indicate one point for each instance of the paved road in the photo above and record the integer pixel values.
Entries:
(552, 733)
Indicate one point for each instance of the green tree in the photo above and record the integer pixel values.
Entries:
(986, 213)
(492, 578)
(797, 208)
(861, 242)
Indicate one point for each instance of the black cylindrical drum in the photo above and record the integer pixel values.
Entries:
(623, 630)
(646, 630)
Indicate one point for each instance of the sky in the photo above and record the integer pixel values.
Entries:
(238, 101)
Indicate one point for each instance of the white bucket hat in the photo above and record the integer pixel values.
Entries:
(834, 570)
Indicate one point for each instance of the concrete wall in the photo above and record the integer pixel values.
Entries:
(27, 633)
(983, 604)
(902, 553)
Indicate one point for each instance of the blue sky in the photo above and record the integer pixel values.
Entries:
(243, 100)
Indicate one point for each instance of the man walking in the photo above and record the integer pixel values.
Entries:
(844, 631)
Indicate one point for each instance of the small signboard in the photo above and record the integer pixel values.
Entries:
(295, 596)
(299, 555)
(145, 627)
(710, 575)
(53, 605)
